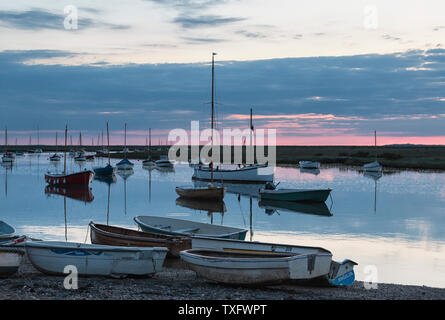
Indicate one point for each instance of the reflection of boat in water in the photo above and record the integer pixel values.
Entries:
(107, 179)
(317, 208)
(165, 169)
(125, 174)
(249, 190)
(77, 193)
(210, 206)
(374, 176)
(312, 171)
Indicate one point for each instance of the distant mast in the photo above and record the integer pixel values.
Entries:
(108, 142)
(64, 157)
(213, 109)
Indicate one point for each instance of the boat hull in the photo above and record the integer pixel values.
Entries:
(255, 268)
(309, 164)
(79, 178)
(116, 236)
(295, 195)
(372, 167)
(104, 171)
(51, 257)
(210, 193)
(250, 174)
(10, 259)
(6, 231)
(178, 227)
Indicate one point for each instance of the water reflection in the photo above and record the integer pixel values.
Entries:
(125, 174)
(316, 208)
(8, 167)
(209, 206)
(83, 194)
(374, 176)
(249, 190)
(311, 171)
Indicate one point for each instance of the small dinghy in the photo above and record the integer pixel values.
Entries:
(314, 264)
(271, 193)
(51, 257)
(179, 227)
(309, 164)
(256, 268)
(204, 193)
(10, 259)
(125, 164)
(373, 167)
(6, 231)
(117, 236)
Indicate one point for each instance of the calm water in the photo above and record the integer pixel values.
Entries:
(395, 222)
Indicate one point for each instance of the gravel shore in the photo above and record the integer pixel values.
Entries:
(176, 282)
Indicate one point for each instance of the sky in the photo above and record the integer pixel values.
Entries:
(318, 72)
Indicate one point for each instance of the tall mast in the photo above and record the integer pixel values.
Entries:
(251, 140)
(56, 142)
(213, 108)
(6, 139)
(64, 155)
(38, 137)
(80, 138)
(125, 141)
(108, 141)
(375, 144)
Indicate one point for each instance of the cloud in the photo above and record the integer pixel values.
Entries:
(252, 35)
(37, 19)
(188, 22)
(354, 94)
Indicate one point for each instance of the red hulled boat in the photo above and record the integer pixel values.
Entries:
(78, 178)
(82, 178)
(77, 193)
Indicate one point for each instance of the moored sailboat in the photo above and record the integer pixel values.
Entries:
(77, 178)
(125, 164)
(374, 166)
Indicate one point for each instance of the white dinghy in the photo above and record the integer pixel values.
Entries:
(313, 263)
(51, 257)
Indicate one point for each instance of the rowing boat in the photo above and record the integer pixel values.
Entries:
(10, 259)
(52, 257)
(316, 195)
(179, 227)
(117, 236)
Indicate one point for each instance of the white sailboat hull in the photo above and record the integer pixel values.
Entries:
(255, 173)
(309, 164)
(373, 167)
(52, 257)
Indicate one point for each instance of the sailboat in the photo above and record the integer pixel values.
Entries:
(210, 192)
(38, 150)
(8, 157)
(373, 166)
(108, 170)
(55, 156)
(80, 156)
(149, 162)
(125, 164)
(248, 174)
(81, 178)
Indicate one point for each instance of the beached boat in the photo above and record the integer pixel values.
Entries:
(117, 236)
(51, 257)
(309, 164)
(256, 268)
(315, 195)
(205, 193)
(10, 259)
(6, 231)
(338, 274)
(179, 227)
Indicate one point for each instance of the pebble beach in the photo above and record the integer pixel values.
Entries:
(176, 282)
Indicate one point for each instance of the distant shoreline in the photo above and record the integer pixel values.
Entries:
(394, 156)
